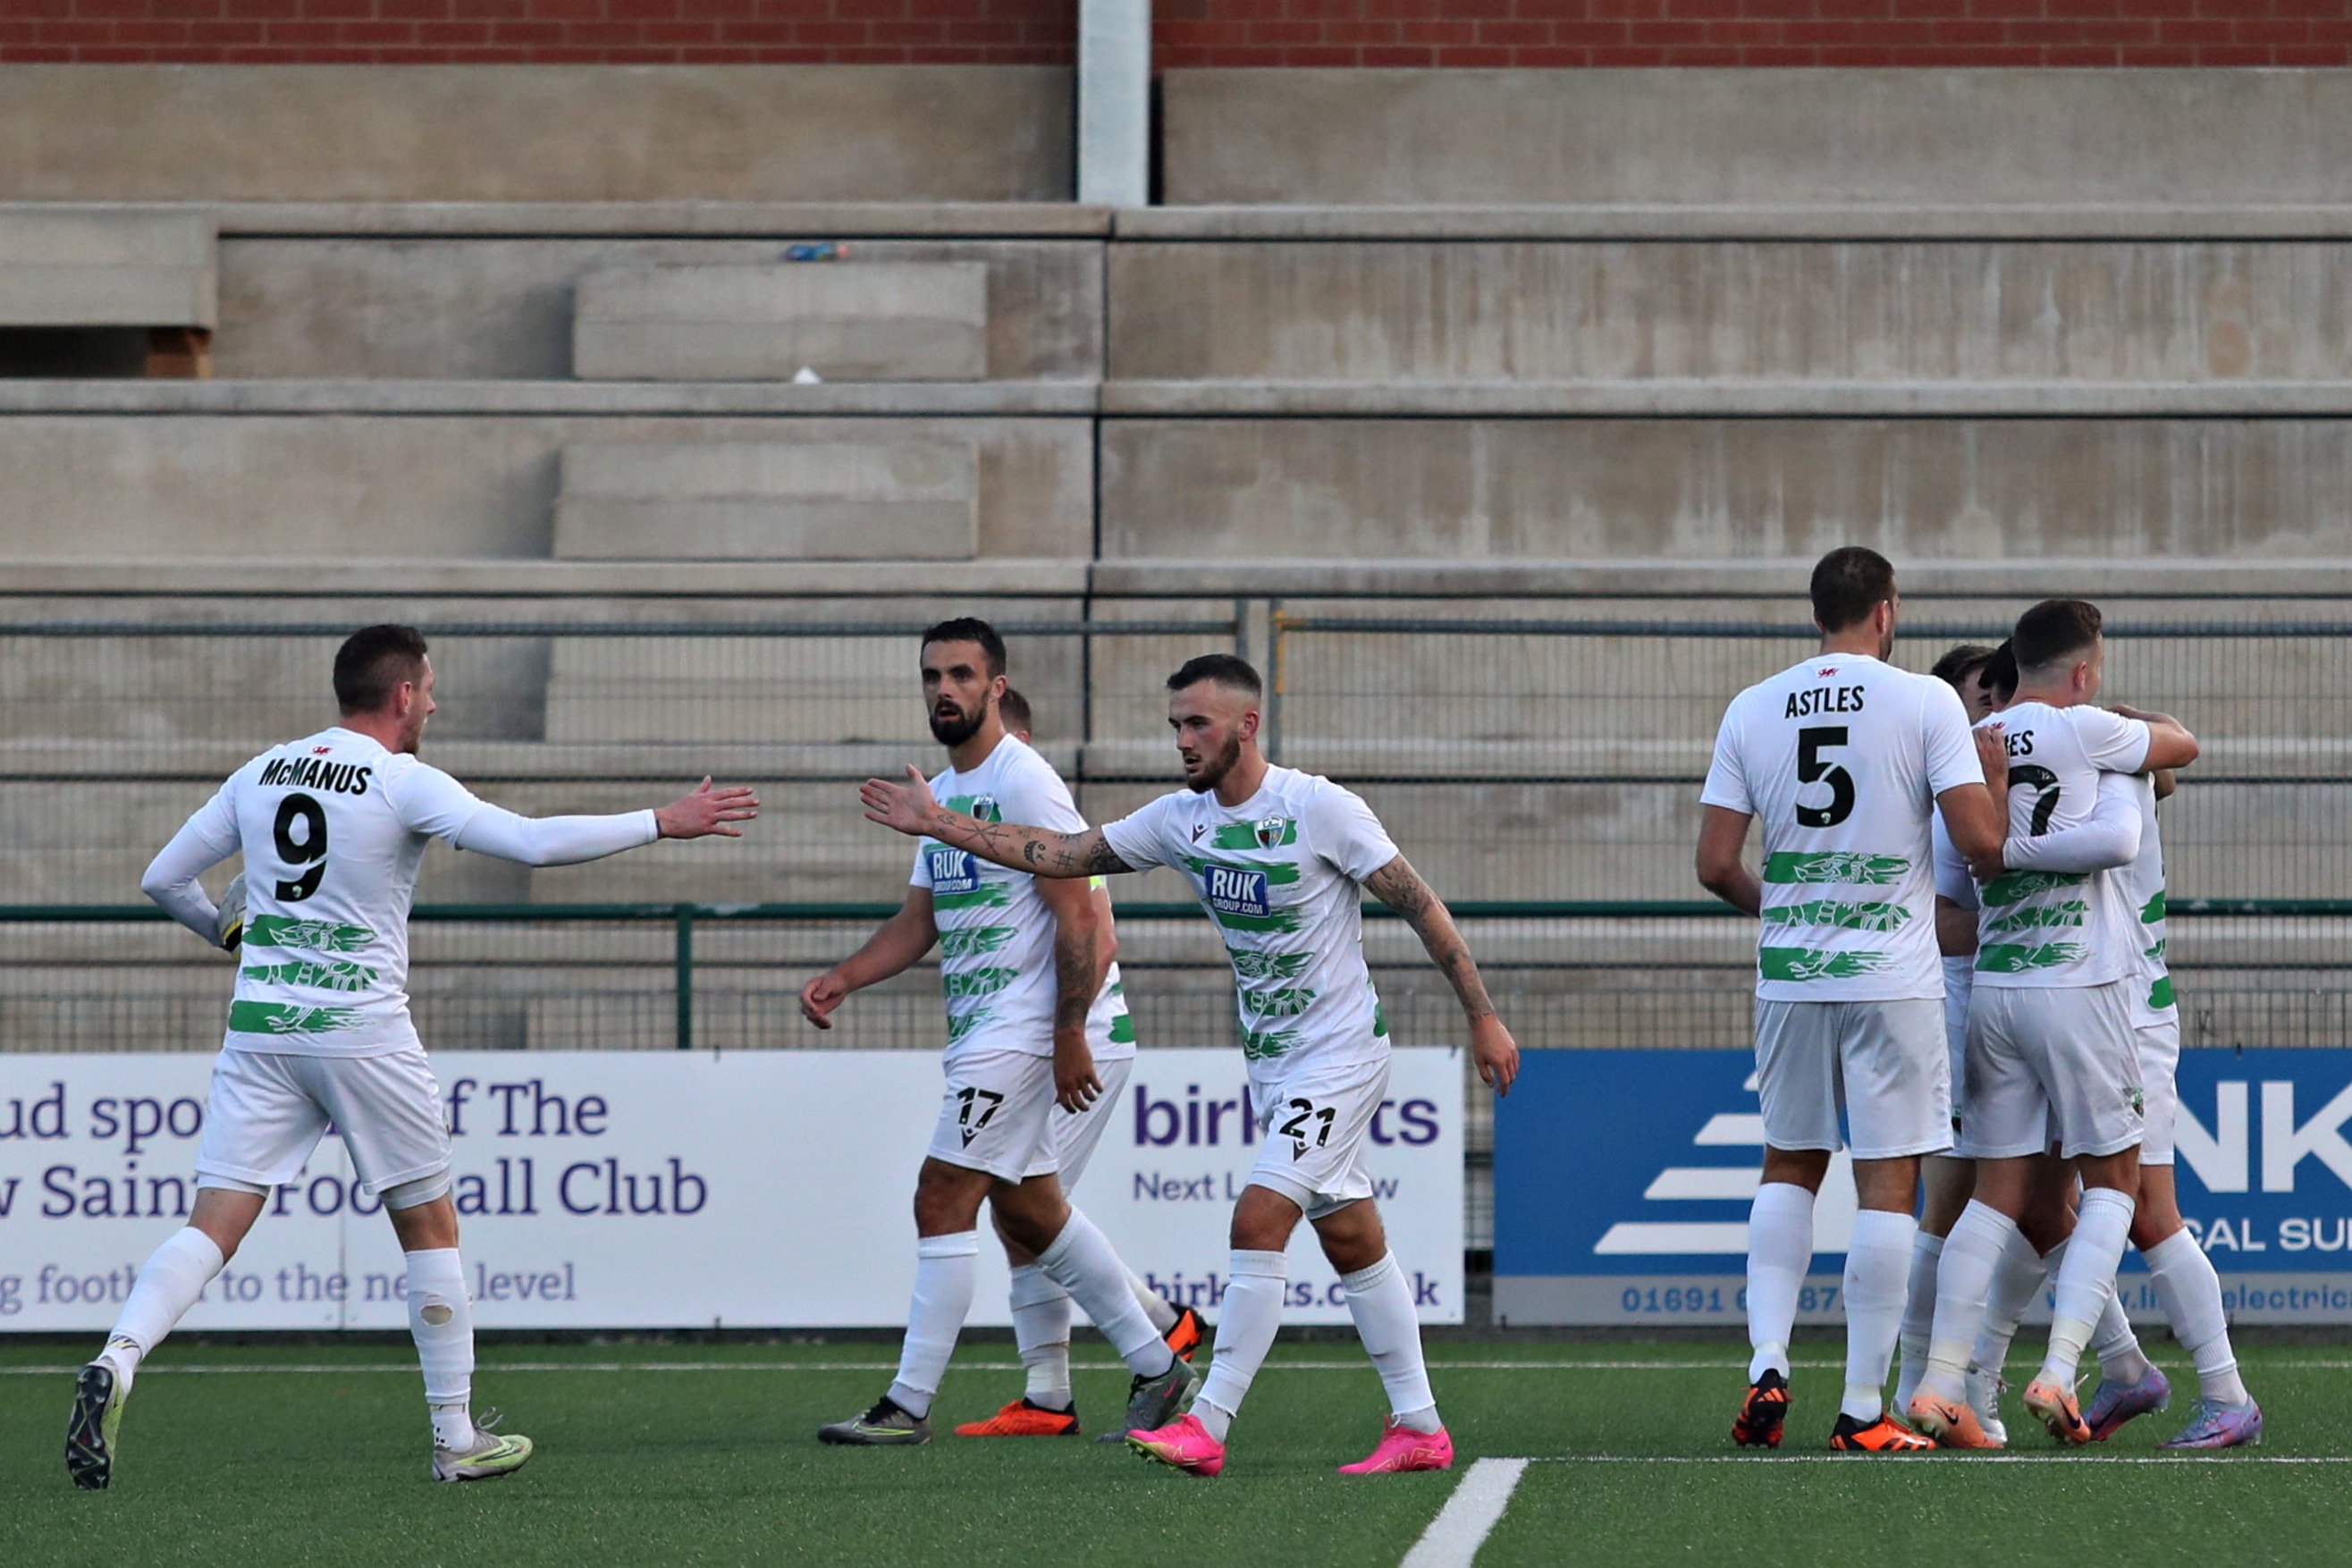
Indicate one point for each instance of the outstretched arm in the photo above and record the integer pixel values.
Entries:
(903, 938)
(1400, 887)
(909, 808)
(700, 812)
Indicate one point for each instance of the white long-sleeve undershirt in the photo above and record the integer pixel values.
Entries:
(555, 840)
(2109, 839)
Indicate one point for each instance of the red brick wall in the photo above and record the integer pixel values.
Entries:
(559, 32)
(1572, 33)
(1454, 33)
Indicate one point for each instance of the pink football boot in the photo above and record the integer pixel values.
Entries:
(1184, 1443)
(1402, 1449)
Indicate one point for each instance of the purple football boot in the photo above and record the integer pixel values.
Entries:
(2219, 1426)
(2116, 1402)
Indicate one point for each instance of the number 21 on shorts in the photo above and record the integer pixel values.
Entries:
(1302, 1113)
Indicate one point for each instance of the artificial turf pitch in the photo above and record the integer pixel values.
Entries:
(707, 1453)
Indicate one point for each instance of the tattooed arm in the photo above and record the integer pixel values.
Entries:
(1084, 947)
(1400, 887)
(909, 808)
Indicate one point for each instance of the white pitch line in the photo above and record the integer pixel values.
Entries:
(232, 1369)
(1469, 1516)
(324, 1368)
(1969, 1462)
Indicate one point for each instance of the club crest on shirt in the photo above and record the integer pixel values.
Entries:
(985, 808)
(1235, 890)
(1270, 831)
(953, 871)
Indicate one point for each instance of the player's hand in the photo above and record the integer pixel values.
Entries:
(1496, 1054)
(1992, 753)
(1076, 1085)
(904, 807)
(820, 996)
(703, 810)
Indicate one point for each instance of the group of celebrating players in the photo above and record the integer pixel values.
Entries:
(334, 827)
(1962, 949)
(1960, 952)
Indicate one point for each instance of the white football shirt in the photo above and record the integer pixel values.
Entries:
(333, 829)
(2058, 928)
(1954, 881)
(1280, 874)
(996, 933)
(1840, 758)
(2142, 883)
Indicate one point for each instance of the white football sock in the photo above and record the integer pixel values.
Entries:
(2191, 1294)
(2084, 1278)
(2113, 1341)
(170, 1281)
(2021, 1276)
(441, 1321)
(1041, 1329)
(1155, 1306)
(1381, 1303)
(1246, 1322)
(945, 1267)
(1877, 1268)
(1918, 1316)
(1780, 1250)
(1083, 1262)
(1963, 1280)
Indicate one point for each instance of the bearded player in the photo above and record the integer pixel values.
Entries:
(1276, 857)
(1039, 1045)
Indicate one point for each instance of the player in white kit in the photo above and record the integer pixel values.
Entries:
(334, 827)
(1039, 1046)
(1277, 857)
(2130, 1385)
(1844, 759)
(2050, 1027)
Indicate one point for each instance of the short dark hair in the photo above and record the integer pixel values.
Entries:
(970, 628)
(1014, 710)
(1961, 662)
(1226, 669)
(1846, 583)
(2001, 671)
(374, 659)
(2054, 629)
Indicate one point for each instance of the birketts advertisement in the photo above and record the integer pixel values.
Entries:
(1622, 1181)
(621, 1189)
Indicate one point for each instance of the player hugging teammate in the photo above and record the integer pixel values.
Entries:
(2045, 1102)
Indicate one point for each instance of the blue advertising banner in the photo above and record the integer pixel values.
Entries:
(1622, 1180)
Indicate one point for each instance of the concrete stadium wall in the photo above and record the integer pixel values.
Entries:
(571, 132)
(427, 308)
(298, 486)
(2170, 138)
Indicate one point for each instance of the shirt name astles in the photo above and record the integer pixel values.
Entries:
(1824, 700)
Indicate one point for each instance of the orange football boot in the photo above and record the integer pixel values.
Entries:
(1762, 1413)
(1023, 1420)
(1884, 1435)
(1950, 1421)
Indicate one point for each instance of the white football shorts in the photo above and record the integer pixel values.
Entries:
(267, 1112)
(1881, 1063)
(2159, 1066)
(998, 1115)
(1075, 1137)
(1313, 1125)
(2052, 1063)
